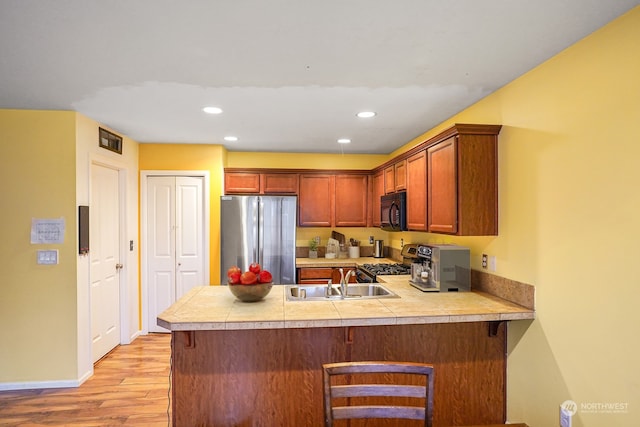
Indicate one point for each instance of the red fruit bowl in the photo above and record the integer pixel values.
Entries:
(250, 293)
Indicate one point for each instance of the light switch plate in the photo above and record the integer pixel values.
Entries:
(48, 257)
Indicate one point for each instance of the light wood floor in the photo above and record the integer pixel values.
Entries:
(130, 386)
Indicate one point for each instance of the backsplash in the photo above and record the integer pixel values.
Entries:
(303, 251)
(516, 292)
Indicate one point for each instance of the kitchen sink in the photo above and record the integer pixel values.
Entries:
(354, 291)
(295, 292)
(370, 290)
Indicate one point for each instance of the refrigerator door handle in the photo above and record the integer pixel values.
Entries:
(260, 246)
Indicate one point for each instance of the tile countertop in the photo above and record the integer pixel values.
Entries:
(215, 308)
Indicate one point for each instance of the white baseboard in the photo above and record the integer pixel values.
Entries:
(29, 385)
(32, 385)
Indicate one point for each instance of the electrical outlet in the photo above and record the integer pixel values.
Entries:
(371, 240)
(485, 261)
(401, 243)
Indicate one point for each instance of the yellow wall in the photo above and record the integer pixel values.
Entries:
(193, 157)
(570, 225)
(37, 302)
(46, 158)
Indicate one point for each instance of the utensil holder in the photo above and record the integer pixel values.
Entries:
(354, 251)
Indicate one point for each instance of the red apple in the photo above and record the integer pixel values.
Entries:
(233, 270)
(264, 277)
(248, 278)
(234, 277)
(254, 268)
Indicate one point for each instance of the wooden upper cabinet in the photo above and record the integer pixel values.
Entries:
(389, 179)
(241, 183)
(395, 177)
(279, 183)
(417, 192)
(333, 200)
(462, 181)
(442, 195)
(451, 182)
(260, 183)
(351, 201)
(316, 200)
(400, 175)
(376, 193)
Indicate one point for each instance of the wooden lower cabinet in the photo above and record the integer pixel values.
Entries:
(318, 275)
(273, 377)
(322, 275)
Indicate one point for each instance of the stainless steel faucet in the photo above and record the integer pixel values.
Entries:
(344, 281)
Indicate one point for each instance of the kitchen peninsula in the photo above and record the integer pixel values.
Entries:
(250, 364)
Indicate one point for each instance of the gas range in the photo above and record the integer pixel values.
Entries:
(366, 273)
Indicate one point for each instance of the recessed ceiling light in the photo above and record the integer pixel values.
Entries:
(344, 140)
(212, 110)
(366, 114)
(231, 138)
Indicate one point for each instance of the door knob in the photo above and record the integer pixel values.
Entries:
(119, 266)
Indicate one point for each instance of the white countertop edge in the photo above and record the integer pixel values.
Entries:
(333, 323)
(518, 316)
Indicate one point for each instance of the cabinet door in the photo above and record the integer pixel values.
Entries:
(345, 270)
(310, 276)
(442, 195)
(417, 192)
(378, 191)
(351, 201)
(316, 200)
(241, 183)
(389, 180)
(280, 183)
(400, 175)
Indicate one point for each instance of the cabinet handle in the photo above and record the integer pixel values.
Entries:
(348, 335)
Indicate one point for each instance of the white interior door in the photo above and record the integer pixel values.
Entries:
(189, 234)
(175, 238)
(104, 232)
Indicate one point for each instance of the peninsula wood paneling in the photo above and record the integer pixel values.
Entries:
(274, 376)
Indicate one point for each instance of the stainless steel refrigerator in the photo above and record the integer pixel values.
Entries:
(259, 229)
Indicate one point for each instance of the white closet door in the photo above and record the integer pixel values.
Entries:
(189, 234)
(175, 254)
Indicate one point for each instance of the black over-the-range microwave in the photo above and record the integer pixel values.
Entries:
(393, 211)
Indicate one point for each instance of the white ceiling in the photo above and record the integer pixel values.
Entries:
(290, 75)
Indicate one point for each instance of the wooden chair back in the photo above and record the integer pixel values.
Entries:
(377, 389)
